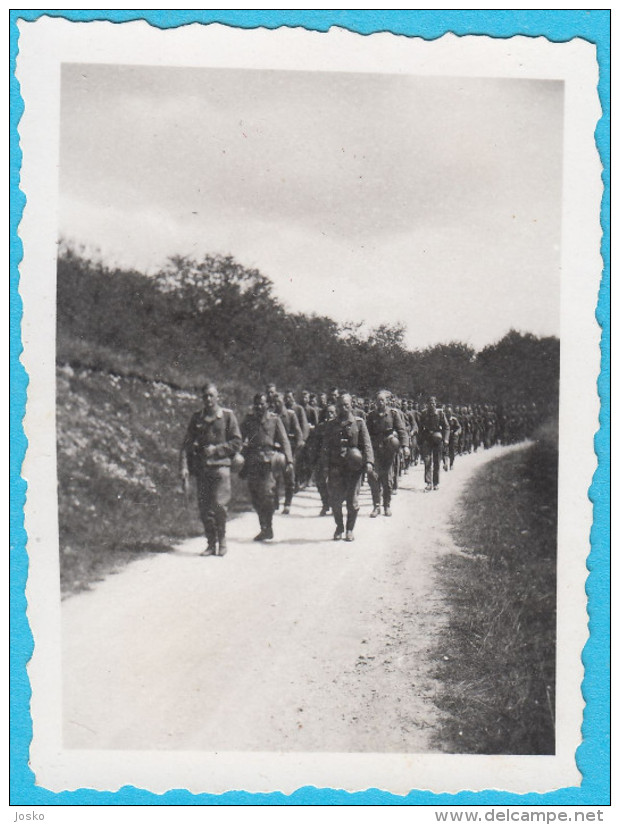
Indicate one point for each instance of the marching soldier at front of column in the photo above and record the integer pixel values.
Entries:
(388, 435)
(347, 451)
(262, 433)
(211, 444)
(433, 435)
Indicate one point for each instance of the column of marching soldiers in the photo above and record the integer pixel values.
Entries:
(336, 441)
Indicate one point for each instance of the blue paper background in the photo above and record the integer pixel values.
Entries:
(593, 757)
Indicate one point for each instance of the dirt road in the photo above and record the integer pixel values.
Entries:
(301, 644)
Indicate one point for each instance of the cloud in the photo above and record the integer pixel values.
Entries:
(435, 201)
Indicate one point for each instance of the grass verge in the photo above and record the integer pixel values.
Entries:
(497, 655)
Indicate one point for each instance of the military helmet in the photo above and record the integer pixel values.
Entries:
(278, 461)
(237, 462)
(392, 444)
(354, 460)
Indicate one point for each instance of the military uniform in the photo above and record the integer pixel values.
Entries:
(261, 436)
(490, 427)
(285, 476)
(453, 440)
(320, 467)
(381, 426)
(298, 446)
(343, 482)
(466, 425)
(397, 462)
(433, 436)
(309, 452)
(477, 428)
(210, 442)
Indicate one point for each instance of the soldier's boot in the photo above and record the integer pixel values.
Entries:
(387, 510)
(376, 510)
(351, 519)
(268, 526)
(262, 521)
(220, 529)
(211, 547)
(339, 524)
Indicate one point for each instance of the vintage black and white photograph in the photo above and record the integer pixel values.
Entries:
(309, 331)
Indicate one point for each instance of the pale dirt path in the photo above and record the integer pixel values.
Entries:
(302, 644)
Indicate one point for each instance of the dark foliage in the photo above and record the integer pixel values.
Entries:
(214, 318)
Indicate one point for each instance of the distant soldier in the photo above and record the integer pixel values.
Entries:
(433, 436)
(453, 438)
(322, 405)
(262, 433)
(285, 473)
(346, 451)
(387, 434)
(357, 407)
(271, 392)
(490, 426)
(411, 423)
(332, 395)
(308, 457)
(397, 462)
(310, 407)
(466, 425)
(415, 435)
(298, 447)
(477, 427)
(212, 440)
(320, 464)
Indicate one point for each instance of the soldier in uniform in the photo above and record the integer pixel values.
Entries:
(322, 404)
(415, 445)
(332, 395)
(397, 462)
(466, 424)
(320, 464)
(453, 439)
(433, 436)
(388, 435)
(285, 474)
(411, 424)
(357, 406)
(477, 427)
(271, 392)
(262, 432)
(298, 447)
(490, 425)
(308, 457)
(346, 450)
(211, 441)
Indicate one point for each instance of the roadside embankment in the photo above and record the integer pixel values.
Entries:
(496, 657)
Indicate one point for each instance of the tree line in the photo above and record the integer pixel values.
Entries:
(214, 318)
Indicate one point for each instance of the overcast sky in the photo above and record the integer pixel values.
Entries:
(375, 198)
